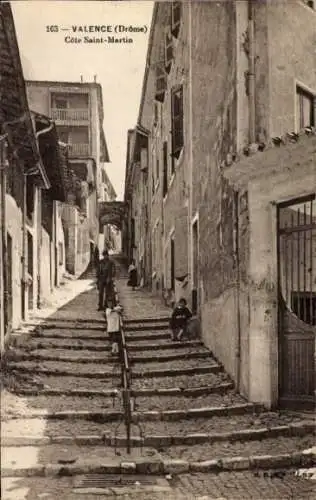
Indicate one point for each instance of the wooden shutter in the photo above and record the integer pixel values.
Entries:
(143, 159)
(181, 244)
(177, 121)
(165, 168)
(168, 50)
(161, 82)
(176, 11)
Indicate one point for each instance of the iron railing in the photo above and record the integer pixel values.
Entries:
(126, 386)
(70, 114)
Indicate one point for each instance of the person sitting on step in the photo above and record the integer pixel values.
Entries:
(179, 319)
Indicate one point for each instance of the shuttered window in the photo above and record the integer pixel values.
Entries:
(161, 82)
(165, 168)
(176, 12)
(168, 50)
(177, 120)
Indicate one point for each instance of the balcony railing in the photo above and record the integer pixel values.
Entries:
(70, 115)
(79, 149)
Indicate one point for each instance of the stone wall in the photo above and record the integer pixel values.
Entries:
(214, 133)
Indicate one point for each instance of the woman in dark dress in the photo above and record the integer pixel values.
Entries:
(132, 275)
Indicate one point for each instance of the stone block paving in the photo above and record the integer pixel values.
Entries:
(139, 304)
(224, 486)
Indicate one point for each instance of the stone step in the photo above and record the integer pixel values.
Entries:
(90, 345)
(112, 415)
(109, 393)
(77, 460)
(94, 372)
(146, 327)
(157, 319)
(69, 334)
(51, 400)
(134, 337)
(168, 430)
(86, 335)
(157, 442)
(62, 357)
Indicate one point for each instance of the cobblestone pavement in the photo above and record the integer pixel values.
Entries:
(190, 417)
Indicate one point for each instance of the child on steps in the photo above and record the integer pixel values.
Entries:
(112, 314)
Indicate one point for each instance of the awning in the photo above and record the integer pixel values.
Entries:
(21, 139)
(54, 157)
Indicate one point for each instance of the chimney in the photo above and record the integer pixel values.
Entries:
(95, 78)
(81, 78)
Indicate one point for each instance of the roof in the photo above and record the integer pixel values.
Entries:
(290, 154)
(105, 157)
(15, 117)
(148, 57)
(54, 157)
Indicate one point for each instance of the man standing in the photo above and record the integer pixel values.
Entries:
(105, 276)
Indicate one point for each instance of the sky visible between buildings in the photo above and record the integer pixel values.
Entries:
(119, 67)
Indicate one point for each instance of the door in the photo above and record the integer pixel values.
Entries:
(195, 281)
(172, 267)
(297, 301)
(30, 269)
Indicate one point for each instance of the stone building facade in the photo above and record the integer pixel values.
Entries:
(227, 84)
(32, 170)
(77, 109)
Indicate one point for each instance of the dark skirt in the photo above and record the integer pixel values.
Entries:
(133, 278)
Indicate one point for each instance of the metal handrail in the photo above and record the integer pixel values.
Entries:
(125, 381)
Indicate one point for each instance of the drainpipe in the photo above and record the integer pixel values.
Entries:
(190, 164)
(45, 130)
(237, 263)
(39, 245)
(24, 238)
(251, 74)
(3, 232)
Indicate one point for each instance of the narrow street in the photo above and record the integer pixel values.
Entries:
(192, 436)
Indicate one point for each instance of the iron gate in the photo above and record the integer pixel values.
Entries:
(297, 301)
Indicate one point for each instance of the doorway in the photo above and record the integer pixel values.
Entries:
(297, 301)
(195, 267)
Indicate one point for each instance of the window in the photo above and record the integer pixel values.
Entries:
(168, 50)
(165, 168)
(63, 134)
(305, 108)
(172, 267)
(157, 171)
(310, 3)
(156, 113)
(161, 82)
(29, 198)
(176, 8)
(61, 103)
(177, 120)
